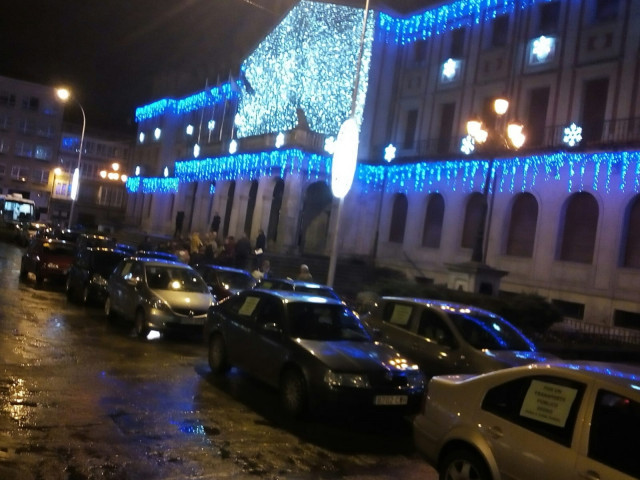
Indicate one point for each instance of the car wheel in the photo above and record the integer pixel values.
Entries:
(39, 279)
(293, 393)
(85, 294)
(69, 289)
(108, 309)
(140, 327)
(218, 361)
(463, 465)
(23, 272)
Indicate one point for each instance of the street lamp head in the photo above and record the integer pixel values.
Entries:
(63, 94)
(57, 171)
(475, 130)
(516, 137)
(500, 106)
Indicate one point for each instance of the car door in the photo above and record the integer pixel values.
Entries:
(395, 321)
(529, 424)
(608, 447)
(267, 340)
(435, 348)
(238, 323)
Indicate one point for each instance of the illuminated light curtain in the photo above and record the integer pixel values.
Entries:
(307, 62)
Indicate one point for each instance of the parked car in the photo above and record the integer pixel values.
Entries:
(26, 231)
(48, 259)
(157, 294)
(547, 421)
(314, 350)
(157, 254)
(289, 284)
(225, 281)
(89, 240)
(446, 338)
(88, 275)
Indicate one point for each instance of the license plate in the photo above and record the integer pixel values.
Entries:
(390, 400)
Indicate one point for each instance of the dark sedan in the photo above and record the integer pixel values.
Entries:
(87, 279)
(225, 281)
(314, 350)
(47, 259)
(290, 284)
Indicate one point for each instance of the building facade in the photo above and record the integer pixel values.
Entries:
(560, 216)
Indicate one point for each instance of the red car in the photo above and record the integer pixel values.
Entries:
(48, 259)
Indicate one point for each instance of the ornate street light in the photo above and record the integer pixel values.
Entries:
(65, 95)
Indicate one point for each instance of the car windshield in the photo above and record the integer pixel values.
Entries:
(318, 291)
(55, 248)
(311, 321)
(161, 277)
(236, 280)
(490, 333)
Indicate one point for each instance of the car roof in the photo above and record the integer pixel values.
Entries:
(441, 304)
(222, 268)
(296, 283)
(623, 375)
(153, 261)
(293, 296)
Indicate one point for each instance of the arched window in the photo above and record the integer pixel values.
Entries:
(251, 206)
(398, 218)
(578, 238)
(274, 214)
(631, 235)
(522, 226)
(433, 219)
(473, 215)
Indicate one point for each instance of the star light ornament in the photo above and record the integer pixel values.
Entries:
(572, 135)
(280, 140)
(468, 145)
(233, 147)
(196, 150)
(390, 153)
(450, 69)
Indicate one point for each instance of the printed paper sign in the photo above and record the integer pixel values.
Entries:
(401, 315)
(548, 402)
(249, 306)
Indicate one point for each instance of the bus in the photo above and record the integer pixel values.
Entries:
(15, 210)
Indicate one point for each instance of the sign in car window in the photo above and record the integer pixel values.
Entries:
(249, 306)
(400, 315)
(548, 402)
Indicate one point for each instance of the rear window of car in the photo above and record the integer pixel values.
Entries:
(490, 332)
(545, 405)
(317, 321)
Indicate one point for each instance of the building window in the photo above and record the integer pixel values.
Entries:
(500, 31)
(445, 135)
(31, 103)
(578, 238)
(473, 216)
(24, 149)
(5, 122)
(594, 104)
(457, 43)
(549, 16)
(40, 176)
(606, 10)
(522, 226)
(274, 211)
(19, 173)
(537, 116)
(569, 309)
(398, 218)
(410, 129)
(7, 99)
(433, 220)
(5, 145)
(419, 51)
(251, 206)
(3, 168)
(42, 152)
(631, 235)
(110, 196)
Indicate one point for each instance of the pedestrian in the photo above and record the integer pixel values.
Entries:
(243, 252)
(261, 245)
(210, 247)
(228, 252)
(305, 274)
(262, 272)
(195, 243)
(215, 224)
(179, 221)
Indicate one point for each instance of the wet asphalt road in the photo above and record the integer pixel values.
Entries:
(80, 398)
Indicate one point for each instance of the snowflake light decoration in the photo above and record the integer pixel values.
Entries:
(280, 140)
(233, 147)
(389, 153)
(468, 145)
(572, 135)
(330, 145)
(542, 48)
(450, 69)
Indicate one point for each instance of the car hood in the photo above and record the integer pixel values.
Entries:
(180, 299)
(353, 356)
(512, 358)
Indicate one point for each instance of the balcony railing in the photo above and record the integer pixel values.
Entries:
(616, 134)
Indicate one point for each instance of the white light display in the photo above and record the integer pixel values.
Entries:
(450, 69)
(157, 133)
(307, 62)
(468, 145)
(572, 135)
(280, 140)
(330, 145)
(233, 147)
(390, 153)
(141, 137)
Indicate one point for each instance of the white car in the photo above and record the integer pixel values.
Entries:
(546, 421)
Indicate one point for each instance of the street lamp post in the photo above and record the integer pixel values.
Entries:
(499, 138)
(343, 167)
(64, 95)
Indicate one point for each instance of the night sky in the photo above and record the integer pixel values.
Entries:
(116, 55)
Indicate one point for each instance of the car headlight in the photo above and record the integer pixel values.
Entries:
(99, 280)
(353, 380)
(159, 304)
